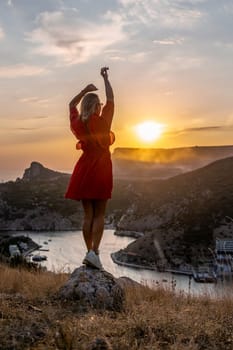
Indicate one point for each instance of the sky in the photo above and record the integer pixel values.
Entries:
(170, 61)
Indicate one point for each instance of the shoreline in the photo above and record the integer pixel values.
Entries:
(9, 231)
(128, 233)
(144, 267)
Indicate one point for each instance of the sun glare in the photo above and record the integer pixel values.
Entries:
(149, 131)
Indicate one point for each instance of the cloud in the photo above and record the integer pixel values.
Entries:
(2, 34)
(168, 13)
(228, 8)
(65, 35)
(137, 57)
(34, 99)
(21, 70)
(203, 128)
(41, 117)
(25, 129)
(211, 128)
(180, 62)
(169, 41)
(224, 44)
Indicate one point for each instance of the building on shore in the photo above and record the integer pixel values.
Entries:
(14, 250)
(224, 257)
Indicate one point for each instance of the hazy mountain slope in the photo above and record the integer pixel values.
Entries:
(164, 163)
(182, 212)
(202, 196)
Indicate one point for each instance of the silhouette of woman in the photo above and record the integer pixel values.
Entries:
(91, 180)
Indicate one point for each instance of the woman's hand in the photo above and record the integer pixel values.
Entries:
(77, 98)
(104, 72)
(90, 88)
(108, 88)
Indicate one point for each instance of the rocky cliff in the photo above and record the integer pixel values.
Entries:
(36, 202)
(38, 171)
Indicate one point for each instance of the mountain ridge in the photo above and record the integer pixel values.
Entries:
(180, 213)
(164, 163)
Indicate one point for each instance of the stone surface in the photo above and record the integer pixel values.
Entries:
(94, 288)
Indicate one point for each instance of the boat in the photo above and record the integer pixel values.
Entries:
(39, 258)
(204, 276)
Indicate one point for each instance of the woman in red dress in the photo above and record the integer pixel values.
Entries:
(91, 180)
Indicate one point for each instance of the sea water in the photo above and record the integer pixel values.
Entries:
(66, 250)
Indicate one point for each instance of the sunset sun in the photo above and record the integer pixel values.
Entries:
(149, 131)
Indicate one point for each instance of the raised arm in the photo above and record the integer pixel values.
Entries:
(75, 101)
(108, 87)
(108, 109)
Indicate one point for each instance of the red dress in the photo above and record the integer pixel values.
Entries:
(92, 175)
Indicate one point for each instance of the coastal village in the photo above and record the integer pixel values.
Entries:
(218, 269)
(19, 249)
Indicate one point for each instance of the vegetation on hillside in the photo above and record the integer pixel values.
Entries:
(33, 318)
(181, 213)
(40, 199)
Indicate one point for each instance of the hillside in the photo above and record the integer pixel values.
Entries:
(163, 163)
(32, 317)
(180, 214)
(36, 202)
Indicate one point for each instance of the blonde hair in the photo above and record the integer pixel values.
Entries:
(88, 106)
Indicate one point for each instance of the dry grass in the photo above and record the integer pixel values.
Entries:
(153, 319)
(36, 284)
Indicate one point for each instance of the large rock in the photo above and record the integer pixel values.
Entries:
(94, 288)
(38, 171)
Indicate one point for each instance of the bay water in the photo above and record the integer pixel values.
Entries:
(66, 250)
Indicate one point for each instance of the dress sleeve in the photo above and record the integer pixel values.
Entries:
(107, 113)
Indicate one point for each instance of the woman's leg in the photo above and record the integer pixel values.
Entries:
(99, 207)
(88, 222)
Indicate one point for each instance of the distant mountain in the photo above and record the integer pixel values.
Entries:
(36, 202)
(181, 212)
(164, 163)
(38, 171)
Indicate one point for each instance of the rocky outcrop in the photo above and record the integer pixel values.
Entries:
(93, 288)
(7, 240)
(38, 171)
(37, 202)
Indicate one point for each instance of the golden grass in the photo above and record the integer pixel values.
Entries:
(153, 319)
(36, 284)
